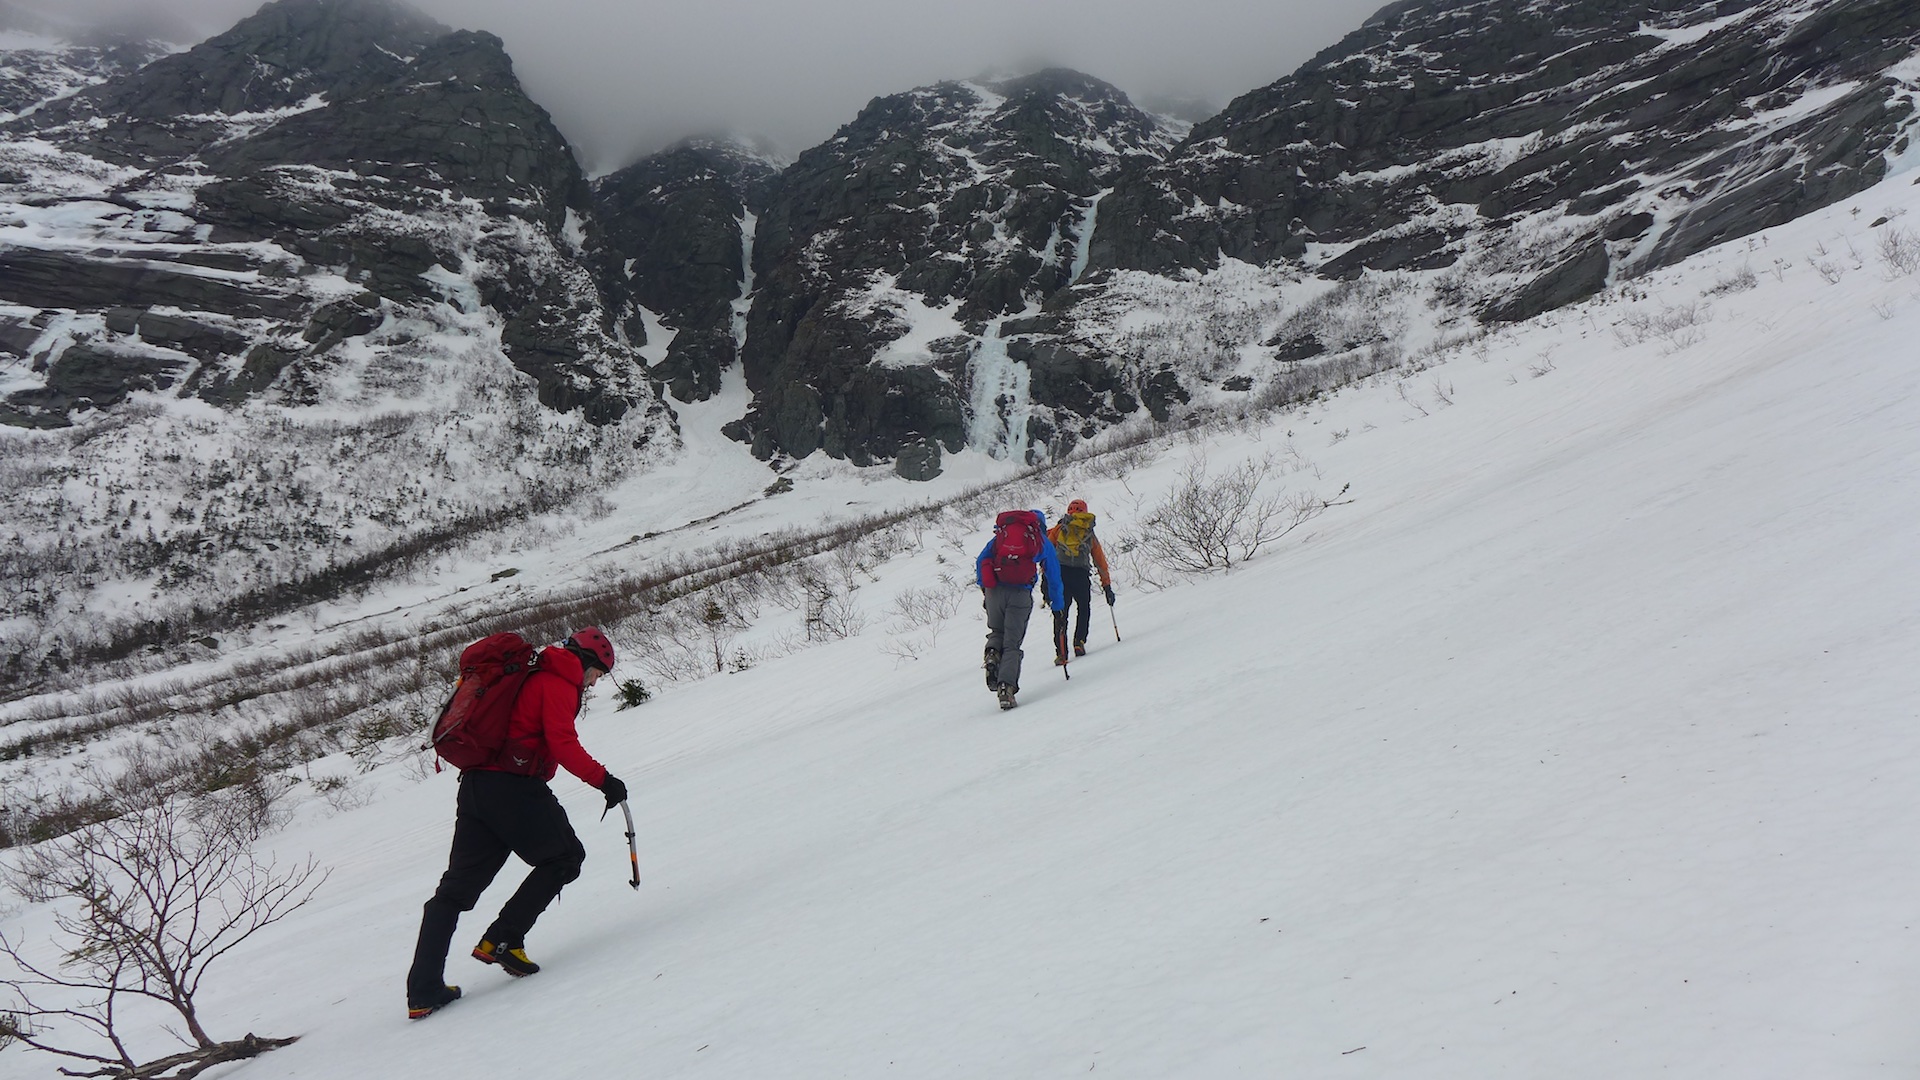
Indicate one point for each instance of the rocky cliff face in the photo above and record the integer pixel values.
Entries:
(888, 255)
(318, 140)
(338, 216)
(1642, 130)
(1461, 162)
(680, 224)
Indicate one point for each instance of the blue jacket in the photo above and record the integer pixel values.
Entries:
(1049, 567)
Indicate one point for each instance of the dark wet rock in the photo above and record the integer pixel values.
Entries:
(47, 278)
(1160, 392)
(18, 336)
(342, 319)
(226, 387)
(918, 460)
(85, 376)
(1065, 375)
(674, 244)
(1581, 275)
(1421, 250)
(1295, 349)
(1628, 226)
(199, 339)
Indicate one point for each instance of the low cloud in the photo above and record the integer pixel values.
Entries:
(623, 78)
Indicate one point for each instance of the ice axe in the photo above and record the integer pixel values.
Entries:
(633, 850)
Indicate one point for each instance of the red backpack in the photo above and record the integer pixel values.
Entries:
(1017, 537)
(473, 726)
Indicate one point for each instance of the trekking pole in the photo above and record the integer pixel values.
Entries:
(633, 851)
(1116, 622)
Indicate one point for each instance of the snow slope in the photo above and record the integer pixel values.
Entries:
(1579, 743)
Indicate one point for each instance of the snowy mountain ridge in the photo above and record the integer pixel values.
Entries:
(933, 214)
(1564, 746)
(1451, 166)
(224, 264)
(226, 312)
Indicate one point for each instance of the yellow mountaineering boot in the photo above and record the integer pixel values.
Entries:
(511, 958)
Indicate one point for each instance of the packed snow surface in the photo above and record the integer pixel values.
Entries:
(1580, 741)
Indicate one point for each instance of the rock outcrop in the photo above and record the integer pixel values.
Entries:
(1640, 130)
(1461, 162)
(242, 180)
(888, 255)
(679, 225)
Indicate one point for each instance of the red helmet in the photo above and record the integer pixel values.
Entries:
(1077, 506)
(589, 640)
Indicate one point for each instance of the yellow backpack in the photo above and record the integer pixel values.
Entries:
(1071, 540)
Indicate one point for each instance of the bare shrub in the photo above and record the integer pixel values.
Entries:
(915, 619)
(832, 612)
(1676, 326)
(162, 894)
(919, 608)
(1739, 281)
(718, 629)
(342, 794)
(1117, 464)
(1215, 523)
(1899, 251)
(1401, 388)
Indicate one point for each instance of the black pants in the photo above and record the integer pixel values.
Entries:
(497, 814)
(1078, 583)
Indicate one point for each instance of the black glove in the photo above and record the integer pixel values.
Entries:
(1108, 589)
(614, 790)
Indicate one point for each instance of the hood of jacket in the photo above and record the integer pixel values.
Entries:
(558, 660)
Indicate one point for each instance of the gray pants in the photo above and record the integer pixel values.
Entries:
(1009, 607)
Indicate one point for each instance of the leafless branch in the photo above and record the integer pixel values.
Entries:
(161, 895)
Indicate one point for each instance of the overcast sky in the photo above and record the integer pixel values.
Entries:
(624, 77)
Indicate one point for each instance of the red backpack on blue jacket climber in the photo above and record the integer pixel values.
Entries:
(1006, 570)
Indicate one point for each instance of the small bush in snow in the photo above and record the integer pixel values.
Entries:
(922, 608)
(1214, 523)
(1741, 281)
(633, 692)
(1677, 327)
(1829, 271)
(916, 618)
(1899, 251)
(832, 612)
